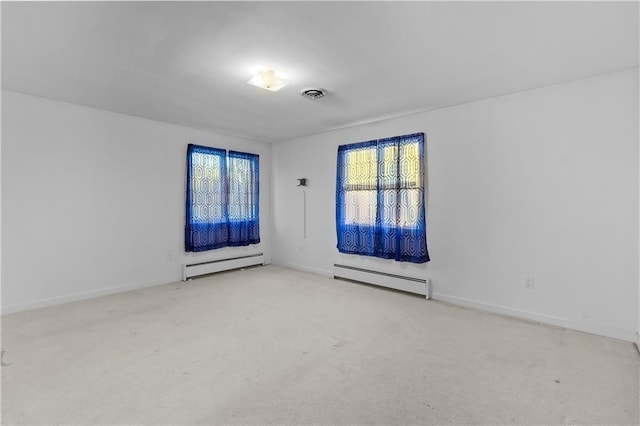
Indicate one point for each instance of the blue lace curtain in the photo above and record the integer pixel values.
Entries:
(244, 227)
(222, 199)
(380, 199)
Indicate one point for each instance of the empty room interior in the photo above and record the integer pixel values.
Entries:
(320, 213)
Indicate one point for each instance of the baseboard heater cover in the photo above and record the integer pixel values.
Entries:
(210, 267)
(383, 279)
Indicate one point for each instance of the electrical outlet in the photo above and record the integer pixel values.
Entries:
(169, 256)
(528, 282)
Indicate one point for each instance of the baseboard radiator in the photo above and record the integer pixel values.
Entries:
(383, 279)
(210, 267)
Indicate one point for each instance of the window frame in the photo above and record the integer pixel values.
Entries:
(222, 232)
(378, 235)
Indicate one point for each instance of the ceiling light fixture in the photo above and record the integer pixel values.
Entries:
(267, 79)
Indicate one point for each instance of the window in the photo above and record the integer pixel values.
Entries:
(380, 199)
(222, 199)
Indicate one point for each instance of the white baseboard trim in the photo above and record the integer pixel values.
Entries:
(316, 271)
(601, 330)
(52, 301)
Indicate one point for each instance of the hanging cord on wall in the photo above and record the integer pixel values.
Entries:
(303, 182)
(304, 215)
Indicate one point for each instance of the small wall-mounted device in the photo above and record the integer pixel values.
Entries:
(302, 182)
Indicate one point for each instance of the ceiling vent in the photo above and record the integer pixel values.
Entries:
(313, 93)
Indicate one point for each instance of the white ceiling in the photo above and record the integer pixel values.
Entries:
(187, 63)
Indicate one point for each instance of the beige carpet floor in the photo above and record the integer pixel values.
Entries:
(272, 345)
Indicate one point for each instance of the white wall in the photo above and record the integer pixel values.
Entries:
(93, 201)
(543, 182)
